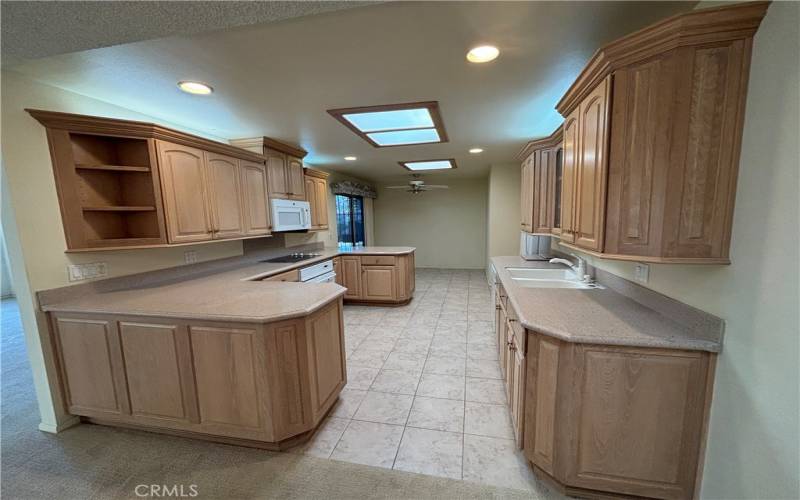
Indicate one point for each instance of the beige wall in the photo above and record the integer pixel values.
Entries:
(502, 220)
(448, 226)
(754, 441)
(32, 221)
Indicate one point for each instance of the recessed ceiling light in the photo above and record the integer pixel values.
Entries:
(429, 164)
(476, 150)
(350, 158)
(395, 124)
(482, 54)
(195, 87)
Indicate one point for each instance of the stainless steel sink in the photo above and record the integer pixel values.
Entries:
(547, 278)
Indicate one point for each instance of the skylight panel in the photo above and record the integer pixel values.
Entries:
(400, 137)
(429, 164)
(395, 124)
(391, 120)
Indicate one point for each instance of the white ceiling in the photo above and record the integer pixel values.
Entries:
(278, 79)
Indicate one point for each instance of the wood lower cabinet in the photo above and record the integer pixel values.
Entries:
(337, 268)
(351, 276)
(317, 196)
(386, 279)
(264, 385)
(623, 420)
(292, 275)
(652, 138)
(378, 283)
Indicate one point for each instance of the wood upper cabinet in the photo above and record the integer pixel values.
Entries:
(255, 198)
(317, 196)
(185, 190)
(276, 172)
(351, 276)
(658, 138)
(539, 172)
(225, 195)
(295, 178)
(568, 177)
(591, 171)
(526, 194)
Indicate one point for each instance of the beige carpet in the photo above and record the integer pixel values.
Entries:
(88, 462)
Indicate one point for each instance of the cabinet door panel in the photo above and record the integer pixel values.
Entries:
(639, 421)
(351, 274)
(546, 396)
(526, 194)
(517, 402)
(321, 200)
(225, 192)
(184, 189)
(379, 282)
(276, 172)
(255, 198)
(295, 179)
(311, 197)
(568, 175)
(158, 370)
(225, 370)
(326, 358)
(337, 268)
(92, 366)
(592, 169)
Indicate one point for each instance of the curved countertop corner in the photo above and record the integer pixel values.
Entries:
(597, 316)
(230, 292)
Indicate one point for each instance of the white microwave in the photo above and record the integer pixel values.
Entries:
(289, 215)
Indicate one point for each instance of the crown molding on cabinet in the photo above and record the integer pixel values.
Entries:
(267, 142)
(131, 128)
(550, 141)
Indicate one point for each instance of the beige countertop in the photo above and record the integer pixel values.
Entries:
(601, 316)
(216, 292)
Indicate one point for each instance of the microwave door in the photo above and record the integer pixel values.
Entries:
(290, 219)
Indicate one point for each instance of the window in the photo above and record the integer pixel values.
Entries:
(395, 124)
(350, 219)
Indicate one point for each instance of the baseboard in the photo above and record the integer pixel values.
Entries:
(72, 421)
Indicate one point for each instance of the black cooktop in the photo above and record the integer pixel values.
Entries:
(294, 257)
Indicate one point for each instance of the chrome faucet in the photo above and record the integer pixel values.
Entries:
(579, 268)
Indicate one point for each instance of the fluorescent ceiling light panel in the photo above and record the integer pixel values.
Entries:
(400, 137)
(444, 164)
(395, 124)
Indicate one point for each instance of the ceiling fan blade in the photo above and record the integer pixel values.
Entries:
(396, 187)
(436, 186)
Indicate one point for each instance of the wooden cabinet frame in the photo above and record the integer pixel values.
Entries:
(669, 158)
(265, 385)
(539, 170)
(377, 279)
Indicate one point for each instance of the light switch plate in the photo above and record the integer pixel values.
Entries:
(80, 272)
(190, 257)
(641, 272)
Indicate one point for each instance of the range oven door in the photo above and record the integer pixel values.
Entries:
(288, 215)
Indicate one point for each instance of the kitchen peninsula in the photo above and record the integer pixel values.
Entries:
(216, 351)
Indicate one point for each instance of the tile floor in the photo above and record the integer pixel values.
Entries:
(424, 391)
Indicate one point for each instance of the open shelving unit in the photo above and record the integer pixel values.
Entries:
(116, 189)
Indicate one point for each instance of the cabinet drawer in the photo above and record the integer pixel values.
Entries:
(293, 275)
(377, 260)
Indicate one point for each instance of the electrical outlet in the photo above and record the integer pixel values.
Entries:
(80, 272)
(190, 257)
(641, 272)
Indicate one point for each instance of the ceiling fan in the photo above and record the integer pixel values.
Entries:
(417, 186)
